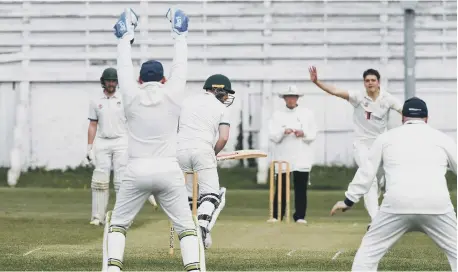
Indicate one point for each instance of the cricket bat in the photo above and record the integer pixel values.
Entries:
(241, 154)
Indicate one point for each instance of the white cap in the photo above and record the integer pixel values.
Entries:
(292, 90)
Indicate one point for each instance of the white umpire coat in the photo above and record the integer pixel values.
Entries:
(297, 151)
(414, 158)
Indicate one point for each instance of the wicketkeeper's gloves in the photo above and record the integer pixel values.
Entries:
(126, 24)
(179, 21)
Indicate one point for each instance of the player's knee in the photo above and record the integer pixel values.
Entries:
(211, 202)
(100, 180)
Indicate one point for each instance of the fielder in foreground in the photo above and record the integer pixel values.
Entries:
(203, 117)
(370, 119)
(414, 158)
(106, 116)
(152, 109)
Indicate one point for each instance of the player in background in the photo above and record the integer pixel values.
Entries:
(414, 158)
(203, 117)
(370, 119)
(152, 107)
(108, 121)
(292, 130)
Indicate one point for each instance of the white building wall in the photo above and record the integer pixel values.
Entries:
(62, 48)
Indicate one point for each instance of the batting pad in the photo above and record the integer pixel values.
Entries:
(100, 194)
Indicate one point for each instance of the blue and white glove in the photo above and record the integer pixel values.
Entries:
(126, 24)
(179, 21)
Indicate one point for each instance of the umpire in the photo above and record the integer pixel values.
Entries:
(292, 130)
(414, 158)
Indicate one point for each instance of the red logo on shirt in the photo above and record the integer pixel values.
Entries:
(100, 106)
(368, 115)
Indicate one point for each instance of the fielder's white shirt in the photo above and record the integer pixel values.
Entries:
(370, 118)
(414, 158)
(109, 114)
(152, 109)
(297, 151)
(200, 118)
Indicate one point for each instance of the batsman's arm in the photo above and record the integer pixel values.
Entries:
(365, 175)
(224, 129)
(126, 81)
(93, 121)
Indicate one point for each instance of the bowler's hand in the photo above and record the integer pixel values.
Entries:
(340, 205)
(299, 133)
(288, 131)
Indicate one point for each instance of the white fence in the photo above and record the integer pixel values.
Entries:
(52, 54)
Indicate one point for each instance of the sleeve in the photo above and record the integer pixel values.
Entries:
(225, 118)
(395, 104)
(127, 84)
(311, 129)
(365, 175)
(450, 148)
(92, 112)
(178, 72)
(354, 97)
(276, 129)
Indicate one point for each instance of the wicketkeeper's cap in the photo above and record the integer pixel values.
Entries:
(292, 90)
(415, 108)
(151, 70)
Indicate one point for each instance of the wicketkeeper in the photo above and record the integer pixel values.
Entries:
(152, 106)
(108, 121)
(202, 119)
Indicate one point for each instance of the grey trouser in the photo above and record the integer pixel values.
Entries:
(387, 229)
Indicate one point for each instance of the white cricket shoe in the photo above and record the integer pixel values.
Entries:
(96, 222)
(301, 221)
(272, 220)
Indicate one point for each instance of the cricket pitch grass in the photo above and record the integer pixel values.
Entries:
(48, 229)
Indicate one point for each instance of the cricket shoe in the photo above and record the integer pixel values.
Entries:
(96, 222)
(126, 24)
(301, 221)
(272, 220)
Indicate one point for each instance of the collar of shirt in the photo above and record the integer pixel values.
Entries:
(380, 95)
(293, 109)
(415, 122)
(108, 97)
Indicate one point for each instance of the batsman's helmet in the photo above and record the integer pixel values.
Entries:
(221, 86)
(108, 74)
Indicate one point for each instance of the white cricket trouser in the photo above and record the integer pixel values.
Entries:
(161, 177)
(360, 153)
(387, 229)
(108, 152)
(203, 161)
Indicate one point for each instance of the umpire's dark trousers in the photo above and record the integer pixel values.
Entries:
(300, 195)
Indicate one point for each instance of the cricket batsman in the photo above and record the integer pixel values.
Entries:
(414, 158)
(370, 119)
(152, 107)
(108, 121)
(202, 119)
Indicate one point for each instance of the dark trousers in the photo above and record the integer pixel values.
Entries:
(300, 195)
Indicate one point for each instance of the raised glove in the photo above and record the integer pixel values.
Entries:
(126, 24)
(179, 21)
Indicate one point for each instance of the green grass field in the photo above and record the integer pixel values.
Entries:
(48, 229)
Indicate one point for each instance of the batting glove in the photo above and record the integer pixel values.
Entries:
(126, 24)
(89, 153)
(179, 21)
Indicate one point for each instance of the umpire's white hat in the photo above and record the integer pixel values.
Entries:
(291, 90)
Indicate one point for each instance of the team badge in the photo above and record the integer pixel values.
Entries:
(100, 106)
(119, 103)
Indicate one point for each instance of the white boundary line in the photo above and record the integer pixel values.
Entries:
(31, 251)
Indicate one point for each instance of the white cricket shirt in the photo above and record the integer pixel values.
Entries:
(152, 109)
(297, 151)
(200, 118)
(370, 118)
(109, 114)
(414, 158)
